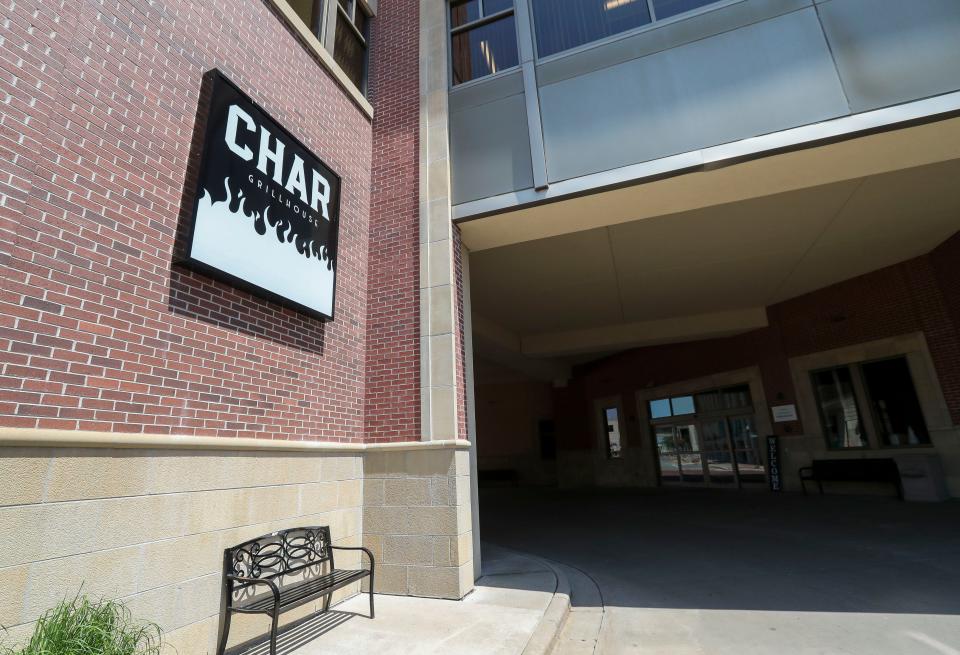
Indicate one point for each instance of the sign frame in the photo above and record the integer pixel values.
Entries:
(212, 80)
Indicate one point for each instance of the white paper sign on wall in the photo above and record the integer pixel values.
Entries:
(784, 413)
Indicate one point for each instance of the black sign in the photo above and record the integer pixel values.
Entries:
(267, 210)
(773, 463)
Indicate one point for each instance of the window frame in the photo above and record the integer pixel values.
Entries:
(863, 399)
(652, 25)
(470, 25)
(351, 16)
(322, 26)
(698, 410)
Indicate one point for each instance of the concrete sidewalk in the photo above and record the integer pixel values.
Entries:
(498, 618)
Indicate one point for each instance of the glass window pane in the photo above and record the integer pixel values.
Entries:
(611, 425)
(736, 397)
(668, 454)
(310, 12)
(688, 446)
(462, 13)
(484, 50)
(564, 24)
(360, 20)
(838, 409)
(349, 51)
(708, 401)
(493, 6)
(894, 402)
(716, 452)
(682, 405)
(660, 408)
(667, 8)
(744, 435)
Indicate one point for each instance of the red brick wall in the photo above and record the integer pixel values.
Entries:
(393, 298)
(945, 261)
(922, 294)
(97, 329)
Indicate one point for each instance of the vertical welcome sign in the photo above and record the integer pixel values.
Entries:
(267, 210)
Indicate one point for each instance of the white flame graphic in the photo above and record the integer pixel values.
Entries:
(228, 242)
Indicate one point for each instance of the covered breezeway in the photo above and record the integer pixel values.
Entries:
(684, 572)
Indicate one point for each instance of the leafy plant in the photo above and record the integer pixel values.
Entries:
(85, 627)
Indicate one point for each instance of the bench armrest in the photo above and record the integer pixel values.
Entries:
(366, 550)
(808, 469)
(270, 583)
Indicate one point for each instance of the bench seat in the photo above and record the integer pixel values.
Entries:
(302, 592)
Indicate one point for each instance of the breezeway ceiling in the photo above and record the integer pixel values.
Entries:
(637, 279)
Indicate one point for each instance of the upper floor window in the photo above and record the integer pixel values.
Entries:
(483, 38)
(343, 29)
(350, 41)
(564, 24)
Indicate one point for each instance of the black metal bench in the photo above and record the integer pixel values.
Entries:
(265, 561)
(851, 470)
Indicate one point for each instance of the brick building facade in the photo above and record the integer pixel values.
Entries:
(147, 410)
(101, 331)
(157, 409)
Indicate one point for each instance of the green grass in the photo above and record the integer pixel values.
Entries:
(85, 627)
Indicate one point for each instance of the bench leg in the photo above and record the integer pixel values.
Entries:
(273, 633)
(371, 594)
(223, 632)
(326, 602)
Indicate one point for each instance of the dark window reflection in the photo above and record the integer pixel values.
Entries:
(491, 7)
(484, 50)
(894, 403)
(310, 12)
(735, 397)
(564, 24)
(667, 8)
(349, 50)
(462, 13)
(838, 408)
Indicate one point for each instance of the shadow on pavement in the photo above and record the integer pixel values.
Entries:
(694, 549)
(294, 635)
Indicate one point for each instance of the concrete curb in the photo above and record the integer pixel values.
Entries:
(545, 635)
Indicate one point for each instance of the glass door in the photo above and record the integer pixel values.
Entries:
(746, 448)
(708, 438)
(678, 448)
(721, 469)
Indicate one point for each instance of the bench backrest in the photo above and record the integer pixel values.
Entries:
(279, 553)
(856, 469)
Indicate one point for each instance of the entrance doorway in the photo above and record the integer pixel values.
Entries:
(708, 438)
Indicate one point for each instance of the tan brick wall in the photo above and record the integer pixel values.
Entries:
(149, 527)
(416, 521)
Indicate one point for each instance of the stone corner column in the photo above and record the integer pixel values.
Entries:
(417, 520)
(439, 323)
(418, 517)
